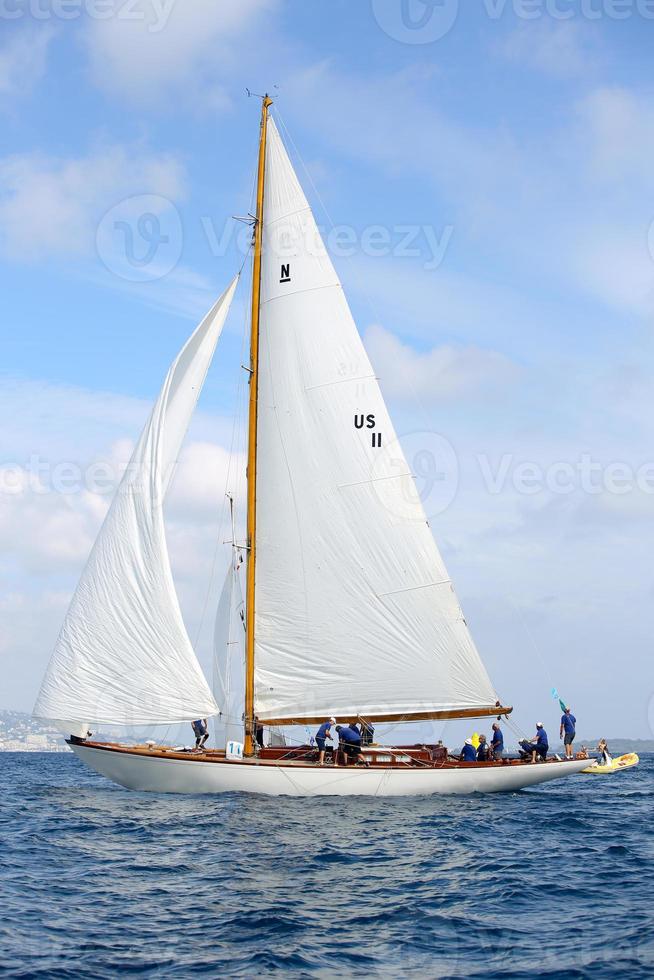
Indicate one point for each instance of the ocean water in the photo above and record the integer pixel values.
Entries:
(96, 881)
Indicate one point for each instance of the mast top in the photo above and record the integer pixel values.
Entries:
(267, 101)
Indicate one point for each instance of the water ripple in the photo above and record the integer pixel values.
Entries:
(96, 881)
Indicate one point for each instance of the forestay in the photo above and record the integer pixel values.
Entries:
(355, 611)
(123, 655)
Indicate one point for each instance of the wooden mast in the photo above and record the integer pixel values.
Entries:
(252, 438)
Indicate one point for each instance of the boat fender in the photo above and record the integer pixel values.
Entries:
(234, 750)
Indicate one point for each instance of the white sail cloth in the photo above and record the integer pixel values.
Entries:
(355, 612)
(123, 656)
(229, 659)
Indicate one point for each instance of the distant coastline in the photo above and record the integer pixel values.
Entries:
(617, 746)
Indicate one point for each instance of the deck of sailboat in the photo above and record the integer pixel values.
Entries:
(303, 757)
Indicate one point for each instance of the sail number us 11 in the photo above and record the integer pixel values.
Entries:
(369, 422)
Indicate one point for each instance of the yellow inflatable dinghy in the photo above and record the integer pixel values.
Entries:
(622, 762)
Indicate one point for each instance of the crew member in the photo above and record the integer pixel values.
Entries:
(567, 731)
(468, 752)
(349, 741)
(497, 742)
(482, 749)
(324, 732)
(367, 732)
(201, 732)
(539, 744)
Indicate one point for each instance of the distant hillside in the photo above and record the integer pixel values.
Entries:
(20, 733)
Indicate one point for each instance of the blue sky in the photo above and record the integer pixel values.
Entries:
(510, 155)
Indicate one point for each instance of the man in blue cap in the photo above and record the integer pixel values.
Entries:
(540, 744)
(568, 731)
(324, 732)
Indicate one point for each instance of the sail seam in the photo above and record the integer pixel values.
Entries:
(379, 479)
(288, 214)
(414, 588)
(307, 289)
(342, 381)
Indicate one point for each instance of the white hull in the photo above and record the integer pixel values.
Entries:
(160, 775)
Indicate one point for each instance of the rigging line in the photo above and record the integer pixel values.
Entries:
(532, 639)
(358, 279)
(221, 521)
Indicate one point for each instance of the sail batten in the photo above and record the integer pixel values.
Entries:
(123, 656)
(354, 610)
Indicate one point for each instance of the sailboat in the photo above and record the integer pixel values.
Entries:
(349, 609)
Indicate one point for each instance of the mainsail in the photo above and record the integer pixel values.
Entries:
(355, 612)
(229, 657)
(123, 656)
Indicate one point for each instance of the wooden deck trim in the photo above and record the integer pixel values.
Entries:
(486, 712)
(218, 757)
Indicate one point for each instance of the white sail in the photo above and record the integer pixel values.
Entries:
(355, 612)
(229, 658)
(123, 655)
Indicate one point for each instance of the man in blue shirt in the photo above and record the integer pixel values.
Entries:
(497, 742)
(324, 732)
(540, 744)
(349, 741)
(567, 731)
(468, 752)
(483, 752)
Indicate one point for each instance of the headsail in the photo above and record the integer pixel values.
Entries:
(123, 655)
(355, 612)
(229, 657)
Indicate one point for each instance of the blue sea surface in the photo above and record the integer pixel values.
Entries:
(97, 881)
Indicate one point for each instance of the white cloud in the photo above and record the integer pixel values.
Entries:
(23, 59)
(557, 48)
(614, 263)
(52, 206)
(53, 499)
(617, 130)
(436, 375)
(528, 205)
(174, 52)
